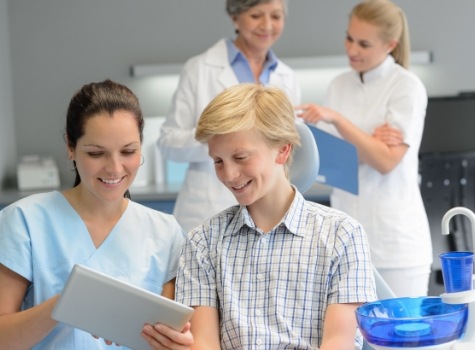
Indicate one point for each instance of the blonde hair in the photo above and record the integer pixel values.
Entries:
(251, 106)
(392, 23)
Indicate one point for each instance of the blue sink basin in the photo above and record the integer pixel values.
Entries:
(411, 322)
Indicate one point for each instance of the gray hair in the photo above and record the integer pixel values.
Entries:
(235, 7)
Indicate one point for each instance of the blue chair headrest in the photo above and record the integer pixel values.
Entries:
(306, 161)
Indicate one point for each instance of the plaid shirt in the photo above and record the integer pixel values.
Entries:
(272, 290)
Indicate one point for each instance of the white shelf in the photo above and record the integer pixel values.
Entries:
(310, 62)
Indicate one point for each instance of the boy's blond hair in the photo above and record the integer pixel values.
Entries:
(247, 106)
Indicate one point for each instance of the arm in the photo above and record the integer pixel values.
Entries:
(371, 150)
(390, 136)
(195, 284)
(203, 335)
(168, 290)
(351, 285)
(339, 327)
(177, 134)
(21, 329)
(161, 336)
(205, 328)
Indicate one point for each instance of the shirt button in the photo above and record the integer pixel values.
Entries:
(260, 276)
(258, 312)
(258, 342)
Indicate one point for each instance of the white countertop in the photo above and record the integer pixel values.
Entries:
(155, 192)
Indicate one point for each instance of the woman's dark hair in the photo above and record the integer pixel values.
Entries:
(94, 98)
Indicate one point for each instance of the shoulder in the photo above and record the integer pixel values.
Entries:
(222, 224)
(285, 78)
(37, 202)
(406, 91)
(214, 54)
(141, 212)
(144, 212)
(340, 234)
(314, 217)
(327, 213)
(162, 227)
(405, 79)
(331, 221)
(283, 68)
(218, 47)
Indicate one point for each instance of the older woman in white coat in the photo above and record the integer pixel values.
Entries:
(246, 58)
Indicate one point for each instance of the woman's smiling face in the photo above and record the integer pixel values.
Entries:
(108, 155)
(260, 26)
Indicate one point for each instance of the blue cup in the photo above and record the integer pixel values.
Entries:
(457, 271)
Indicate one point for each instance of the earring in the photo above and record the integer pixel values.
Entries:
(143, 160)
(73, 163)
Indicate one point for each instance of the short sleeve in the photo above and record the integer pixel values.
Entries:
(15, 243)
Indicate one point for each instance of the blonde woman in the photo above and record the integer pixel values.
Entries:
(380, 107)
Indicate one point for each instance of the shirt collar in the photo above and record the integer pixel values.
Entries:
(379, 71)
(291, 219)
(271, 60)
(235, 54)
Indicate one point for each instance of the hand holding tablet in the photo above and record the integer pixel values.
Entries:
(115, 310)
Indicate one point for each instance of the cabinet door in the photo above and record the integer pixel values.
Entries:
(165, 206)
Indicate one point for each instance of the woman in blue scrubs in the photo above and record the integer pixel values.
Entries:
(94, 224)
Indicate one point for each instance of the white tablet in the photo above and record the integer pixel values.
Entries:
(115, 310)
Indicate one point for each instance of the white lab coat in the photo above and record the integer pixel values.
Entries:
(389, 206)
(202, 78)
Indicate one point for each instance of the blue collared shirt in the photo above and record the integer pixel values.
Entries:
(272, 289)
(242, 69)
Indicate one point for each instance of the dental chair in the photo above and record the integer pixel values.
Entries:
(304, 168)
(383, 291)
(303, 174)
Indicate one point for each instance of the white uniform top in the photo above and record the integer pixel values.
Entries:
(42, 237)
(389, 206)
(202, 78)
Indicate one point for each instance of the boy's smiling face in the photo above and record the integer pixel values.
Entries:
(247, 165)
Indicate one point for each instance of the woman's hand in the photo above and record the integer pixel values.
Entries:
(389, 135)
(161, 337)
(313, 113)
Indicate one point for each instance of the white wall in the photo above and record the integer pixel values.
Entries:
(7, 128)
(58, 45)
